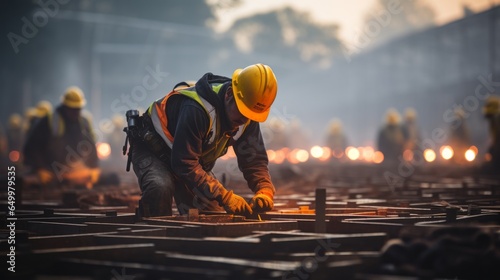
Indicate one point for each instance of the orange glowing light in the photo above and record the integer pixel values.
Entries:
(470, 155)
(271, 155)
(474, 149)
(360, 150)
(367, 153)
(291, 156)
(103, 150)
(378, 157)
(487, 157)
(337, 154)
(317, 152)
(327, 152)
(352, 153)
(302, 155)
(446, 152)
(429, 155)
(14, 156)
(408, 155)
(280, 156)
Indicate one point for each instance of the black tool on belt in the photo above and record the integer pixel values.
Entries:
(140, 128)
(132, 130)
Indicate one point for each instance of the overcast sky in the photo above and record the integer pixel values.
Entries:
(349, 15)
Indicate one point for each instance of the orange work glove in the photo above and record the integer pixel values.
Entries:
(45, 176)
(235, 204)
(262, 201)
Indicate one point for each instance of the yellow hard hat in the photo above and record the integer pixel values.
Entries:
(74, 98)
(392, 117)
(43, 107)
(255, 89)
(492, 105)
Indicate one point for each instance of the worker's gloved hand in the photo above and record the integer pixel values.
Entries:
(235, 204)
(95, 173)
(45, 176)
(262, 201)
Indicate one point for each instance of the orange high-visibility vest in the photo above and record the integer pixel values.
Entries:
(216, 143)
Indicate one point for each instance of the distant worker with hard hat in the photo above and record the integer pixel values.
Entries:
(411, 130)
(336, 139)
(44, 108)
(460, 138)
(181, 136)
(33, 115)
(391, 137)
(62, 144)
(30, 117)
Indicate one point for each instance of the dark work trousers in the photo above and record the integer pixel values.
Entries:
(158, 185)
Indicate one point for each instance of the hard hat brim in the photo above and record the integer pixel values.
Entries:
(73, 98)
(251, 115)
(75, 105)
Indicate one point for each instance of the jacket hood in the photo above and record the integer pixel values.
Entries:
(204, 89)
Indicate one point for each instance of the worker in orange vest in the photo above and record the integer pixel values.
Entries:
(182, 135)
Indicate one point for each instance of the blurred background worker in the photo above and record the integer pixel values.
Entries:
(411, 130)
(44, 108)
(460, 138)
(30, 117)
(186, 131)
(412, 135)
(491, 112)
(391, 137)
(336, 138)
(61, 146)
(33, 115)
(15, 135)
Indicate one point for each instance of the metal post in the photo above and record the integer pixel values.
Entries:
(320, 225)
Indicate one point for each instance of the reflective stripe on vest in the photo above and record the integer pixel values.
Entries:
(157, 111)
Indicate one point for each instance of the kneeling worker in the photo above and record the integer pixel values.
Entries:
(195, 125)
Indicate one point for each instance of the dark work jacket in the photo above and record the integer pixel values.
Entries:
(188, 123)
(59, 151)
(391, 142)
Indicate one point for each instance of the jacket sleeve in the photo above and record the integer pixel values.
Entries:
(192, 125)
(252, 159)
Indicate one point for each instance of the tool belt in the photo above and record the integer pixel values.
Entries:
(152, 140)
